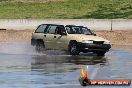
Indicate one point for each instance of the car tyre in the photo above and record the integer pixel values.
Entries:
(40, 46)
(100, 53)
(73, 48)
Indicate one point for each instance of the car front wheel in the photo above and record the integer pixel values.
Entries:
(73, 48)
(100, 53)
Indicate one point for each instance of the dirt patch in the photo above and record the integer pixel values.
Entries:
(116, 37)
(15, 35)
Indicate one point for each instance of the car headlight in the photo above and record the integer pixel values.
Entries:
(87, 41)
(106, 42)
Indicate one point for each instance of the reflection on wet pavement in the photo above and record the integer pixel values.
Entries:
(61, 71)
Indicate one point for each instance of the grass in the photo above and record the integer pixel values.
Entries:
(65, 9)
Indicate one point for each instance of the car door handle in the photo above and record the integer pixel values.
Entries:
(54, 36)
(44, 35)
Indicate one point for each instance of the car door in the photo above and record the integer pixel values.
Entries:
(60, 39)
(49, 37)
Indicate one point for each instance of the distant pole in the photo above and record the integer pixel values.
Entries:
(111, 24)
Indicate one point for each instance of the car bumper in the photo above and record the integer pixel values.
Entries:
(85, 47)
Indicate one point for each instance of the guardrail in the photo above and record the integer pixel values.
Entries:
(95, 24)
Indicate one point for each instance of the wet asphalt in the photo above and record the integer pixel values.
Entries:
(22, 67)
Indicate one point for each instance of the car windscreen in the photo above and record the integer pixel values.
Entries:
(79, 30)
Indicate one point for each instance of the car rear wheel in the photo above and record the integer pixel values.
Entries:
(73, 48)
(40, 46)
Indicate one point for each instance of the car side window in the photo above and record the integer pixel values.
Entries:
(52, 29)
(68, 30)
(63, 29)
(41, 29)
(60, 29)
(76, 30)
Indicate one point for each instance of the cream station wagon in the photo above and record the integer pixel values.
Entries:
(74, 39)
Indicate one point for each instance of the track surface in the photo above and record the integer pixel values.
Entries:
(22, 67)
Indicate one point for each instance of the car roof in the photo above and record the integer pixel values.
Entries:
(73, 26)
(52, 24)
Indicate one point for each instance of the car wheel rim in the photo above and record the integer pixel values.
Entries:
(40, 47)
(73, 48)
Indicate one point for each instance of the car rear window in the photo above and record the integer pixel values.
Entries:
(41, 29)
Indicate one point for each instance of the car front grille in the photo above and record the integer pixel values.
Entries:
(98, 42)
